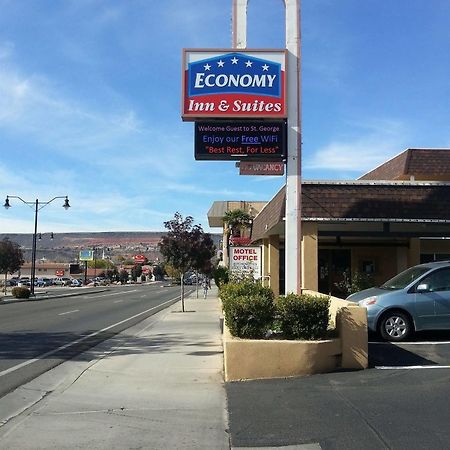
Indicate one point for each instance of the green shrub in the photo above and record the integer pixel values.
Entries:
(303, 316)
(248, 308)
(221, 275)
(20, 292)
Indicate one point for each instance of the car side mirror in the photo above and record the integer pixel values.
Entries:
(424, 287)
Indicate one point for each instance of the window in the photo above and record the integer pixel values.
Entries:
(438, 281)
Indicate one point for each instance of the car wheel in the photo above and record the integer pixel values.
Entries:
(395, 326)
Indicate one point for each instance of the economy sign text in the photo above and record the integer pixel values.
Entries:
(231, 84)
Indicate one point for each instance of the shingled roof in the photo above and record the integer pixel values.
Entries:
(361, 201)
(414, 164)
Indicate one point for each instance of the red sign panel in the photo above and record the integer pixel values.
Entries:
(139, 259)
(261, 168)
(59, 273)
(234, 84)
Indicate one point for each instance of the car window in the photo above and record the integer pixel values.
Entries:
(405, 278)
(438, 280)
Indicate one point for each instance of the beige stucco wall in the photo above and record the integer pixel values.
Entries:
(246, 359)
(310, 254)
(252, 359)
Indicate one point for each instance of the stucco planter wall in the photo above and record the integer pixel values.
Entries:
(252, 359)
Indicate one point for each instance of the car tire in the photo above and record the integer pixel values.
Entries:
(395, 326)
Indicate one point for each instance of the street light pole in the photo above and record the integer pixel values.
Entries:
(37, 207)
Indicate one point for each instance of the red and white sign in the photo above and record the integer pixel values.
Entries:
(139, 259)
(246, 261)
(237, 240)
(59, 273)
(234, 84)
(261, 168)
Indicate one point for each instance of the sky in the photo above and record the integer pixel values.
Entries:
(90, 102)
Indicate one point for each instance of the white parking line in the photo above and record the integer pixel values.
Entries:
(117, 301)
(77, 341)
(68, 312)
(410, 367)
(413, 343)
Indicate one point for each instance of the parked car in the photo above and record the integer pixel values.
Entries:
(76, 283)
(24, 281)
(414, 300)
(43, 282)
(62, 281)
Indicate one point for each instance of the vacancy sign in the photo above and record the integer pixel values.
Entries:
(245, 261)
(234, 84)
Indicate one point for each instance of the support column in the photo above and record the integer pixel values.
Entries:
(414, 252)
(310, 258)
(274, 264)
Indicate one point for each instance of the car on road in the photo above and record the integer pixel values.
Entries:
(416, 299)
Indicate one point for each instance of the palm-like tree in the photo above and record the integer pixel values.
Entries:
(235, 222)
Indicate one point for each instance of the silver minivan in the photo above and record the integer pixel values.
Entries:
(414, 300)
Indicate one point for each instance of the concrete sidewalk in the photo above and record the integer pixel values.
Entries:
(158, 385)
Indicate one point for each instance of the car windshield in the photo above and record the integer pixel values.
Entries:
(403, 279)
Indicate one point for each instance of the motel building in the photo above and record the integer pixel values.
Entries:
(393, 217)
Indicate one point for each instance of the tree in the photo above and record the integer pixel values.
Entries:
(123, 276)
(236, 221)
(11, 257)
(158, 272)
(185, 246)
(136, 272)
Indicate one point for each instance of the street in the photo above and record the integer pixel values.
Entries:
(38, 335)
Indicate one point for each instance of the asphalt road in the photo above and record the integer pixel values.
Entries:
(40, 334)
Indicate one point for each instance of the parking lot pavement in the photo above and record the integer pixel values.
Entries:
(423, 350)
(370, 410)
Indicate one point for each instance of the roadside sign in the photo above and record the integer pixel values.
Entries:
(239, 140)
(139, 259)
(261, 168)
(246, 261)
(225, 83)
(86, 255)
(59, 273)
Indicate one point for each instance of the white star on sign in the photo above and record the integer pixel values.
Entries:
(234, 60)
(220, 63)
(265, 67)
(207, 66)
(248, 64)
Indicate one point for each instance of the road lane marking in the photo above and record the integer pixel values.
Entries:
(117, 301)
(115, 293)
(68, 312)
(77, 341)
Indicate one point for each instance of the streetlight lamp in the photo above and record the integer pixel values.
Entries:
(37, 207)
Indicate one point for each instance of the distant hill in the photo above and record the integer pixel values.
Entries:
(65, 247)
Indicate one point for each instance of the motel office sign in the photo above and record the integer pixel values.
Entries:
(222, 84)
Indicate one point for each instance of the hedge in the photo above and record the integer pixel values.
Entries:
(248, 309)
(20, 292)
(250, 312)
(303, 316)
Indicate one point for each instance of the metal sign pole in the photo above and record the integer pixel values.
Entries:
(239, 24)
(293, 263)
